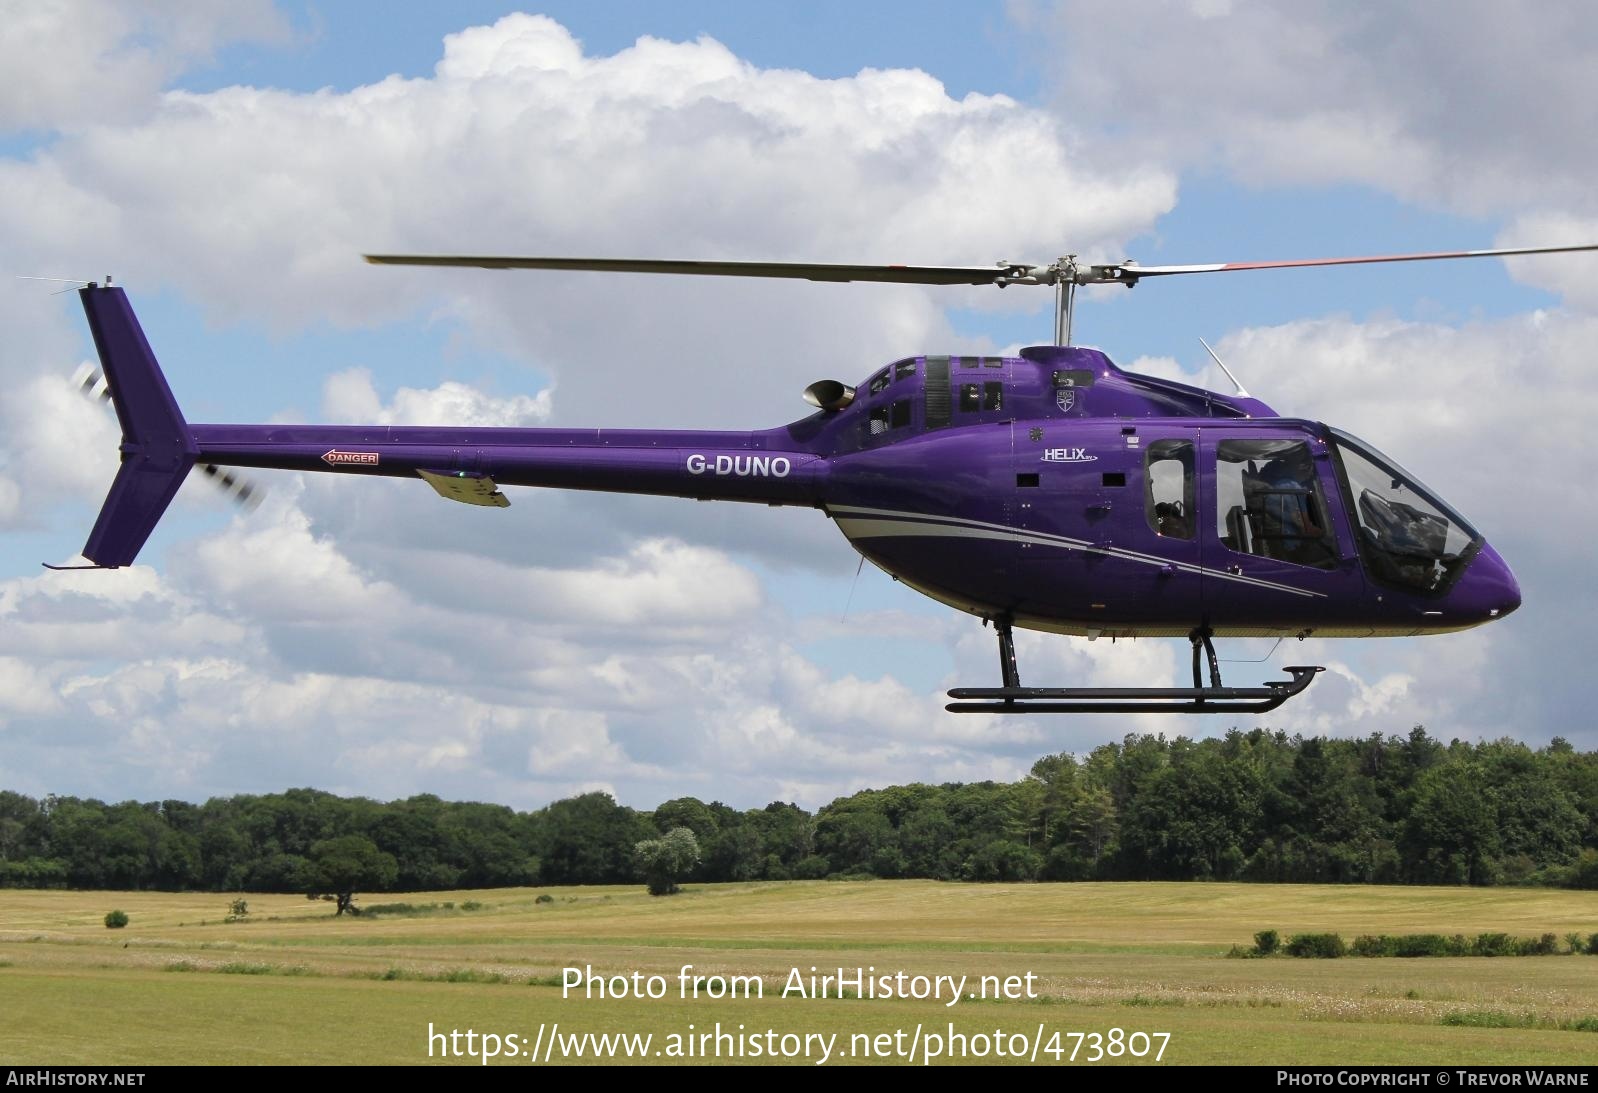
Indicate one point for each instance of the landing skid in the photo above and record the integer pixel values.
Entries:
(1014, 698)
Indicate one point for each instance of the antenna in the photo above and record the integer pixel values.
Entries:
(76, 282)
(1216, 358)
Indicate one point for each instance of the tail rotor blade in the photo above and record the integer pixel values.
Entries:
(92, 383)
(243, 492)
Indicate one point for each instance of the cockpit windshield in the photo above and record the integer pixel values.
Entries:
(1407, 535)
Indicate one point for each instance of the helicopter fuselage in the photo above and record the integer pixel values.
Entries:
(1051, 490)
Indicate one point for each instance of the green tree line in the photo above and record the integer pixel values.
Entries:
(1256, 806)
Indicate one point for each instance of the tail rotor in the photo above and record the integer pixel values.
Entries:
(244, 492)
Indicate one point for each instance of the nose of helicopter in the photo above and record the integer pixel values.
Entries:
(1487, 590)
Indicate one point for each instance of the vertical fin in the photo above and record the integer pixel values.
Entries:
(157, 449)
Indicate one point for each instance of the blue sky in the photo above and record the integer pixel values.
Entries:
(971, 47)
(230, 168)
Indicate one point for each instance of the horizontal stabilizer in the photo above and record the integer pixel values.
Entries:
(467, 487)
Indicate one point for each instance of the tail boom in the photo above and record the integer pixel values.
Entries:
(721, 466)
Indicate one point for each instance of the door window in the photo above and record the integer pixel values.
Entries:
(1269, 502)
(1168, 490)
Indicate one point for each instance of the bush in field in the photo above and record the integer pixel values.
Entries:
(1458, 945)
(1494, 945)
(667, 860)
(1266, 942)
(116, 920)
(1323, 946)
(1422, 945)
(378, 909)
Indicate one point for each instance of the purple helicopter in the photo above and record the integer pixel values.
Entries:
(1050, 490)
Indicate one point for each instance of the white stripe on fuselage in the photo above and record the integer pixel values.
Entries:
(884, 523)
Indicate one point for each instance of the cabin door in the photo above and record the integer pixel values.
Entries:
(1274, 557)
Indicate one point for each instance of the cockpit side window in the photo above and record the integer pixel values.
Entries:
(879, 381)
(1269, 502)
(1168, 488)
(1407, 537)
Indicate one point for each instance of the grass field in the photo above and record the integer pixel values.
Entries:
(293, 984)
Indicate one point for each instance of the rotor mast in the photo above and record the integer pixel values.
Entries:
(1064, 299)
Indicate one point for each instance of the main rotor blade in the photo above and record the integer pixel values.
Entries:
(1066, 270)
(1131, 271)
(804, 271)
